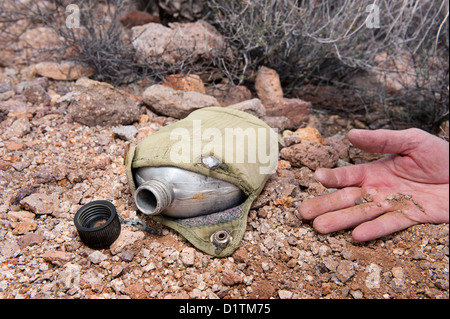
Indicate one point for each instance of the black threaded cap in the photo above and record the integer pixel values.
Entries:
(98, 224)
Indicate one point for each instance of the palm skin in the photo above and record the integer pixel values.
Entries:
(410, 186)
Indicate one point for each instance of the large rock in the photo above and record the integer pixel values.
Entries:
(19, 128)
(40, 38)
(280, 123)
(36, 94)
(228, 94)
(166, 101)
(253, 107)
(179, 42)
(96, 103)
(310, 154)
(268, 85)
(296, 110)
(270, 92)
(21, 44)
(16, 106)
(65, 70)
(180, 82)
(309, 134)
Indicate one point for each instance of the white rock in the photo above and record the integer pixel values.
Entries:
(188, 256)
(126, 239)
(118, 285)
(285, 294)
(70, 277)
(373, 279)
(97, 257)
(10, 249)
(179, 42)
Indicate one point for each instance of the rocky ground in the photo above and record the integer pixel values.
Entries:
(62, 145)
(51, 165)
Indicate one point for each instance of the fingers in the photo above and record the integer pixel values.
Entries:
(349, 217)
(387, 141)
(340, 199)
(342, 176)
(384, 225)
(372, 220)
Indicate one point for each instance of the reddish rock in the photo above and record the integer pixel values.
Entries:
(241, 255)
(97, 103)
(253, 107)
(179, 42)
(136, 18)
(24, 226)
(180, 82)
(136, 291)
(14, 146)
(341, 144)
(296, 110)
(310, 154)
(231, 278)
(20, 216)
(42, 176)
(40, 204)
(4, 166)
(101, 162)
(270, 92)
(291, 140)
(268, 85)
(60, 171)
(57, 257)
(36, 94)
(18, 128)
(264, 289)
(30, 239)
(309, 134)
(126, 239)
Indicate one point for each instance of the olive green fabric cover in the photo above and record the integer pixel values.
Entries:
(192, 132)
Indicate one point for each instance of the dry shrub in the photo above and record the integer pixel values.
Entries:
(314, 41)
(306, 41)
(101, 42)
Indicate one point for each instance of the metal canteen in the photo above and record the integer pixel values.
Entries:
(179, 193)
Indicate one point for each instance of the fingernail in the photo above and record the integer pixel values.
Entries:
(320, 174)
(354, 132)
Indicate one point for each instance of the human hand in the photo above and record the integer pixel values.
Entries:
(408, 187)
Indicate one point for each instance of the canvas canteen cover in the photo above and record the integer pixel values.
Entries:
(244, 150)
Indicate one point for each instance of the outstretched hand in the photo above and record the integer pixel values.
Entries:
(410, 186)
